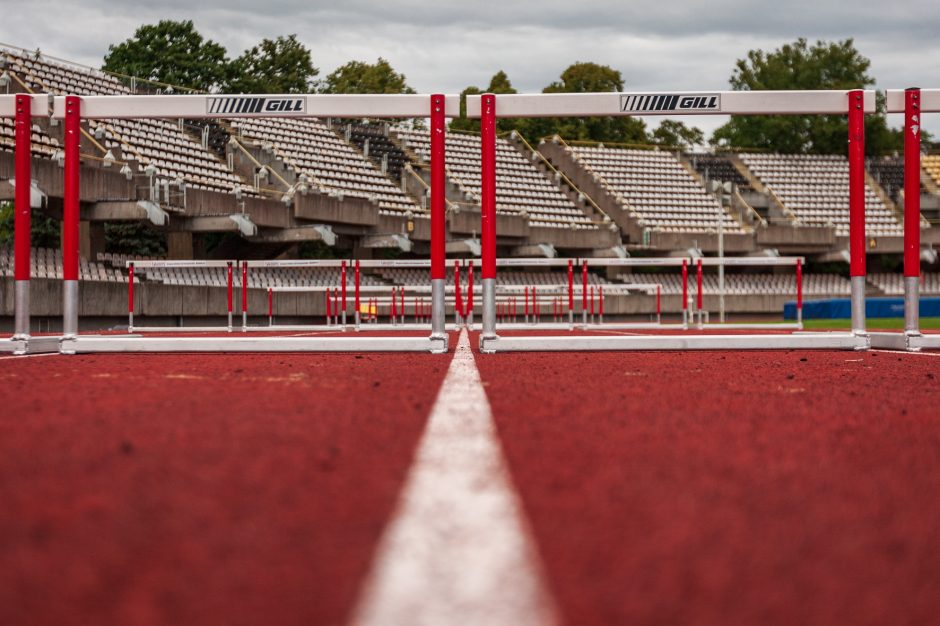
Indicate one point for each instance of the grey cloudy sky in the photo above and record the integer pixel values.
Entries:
(445, 46)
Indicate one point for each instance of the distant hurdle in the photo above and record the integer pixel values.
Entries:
(854, 103)
(73, 109)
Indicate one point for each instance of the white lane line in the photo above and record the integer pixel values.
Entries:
(458, 549)
(905, 352)
(26, 356)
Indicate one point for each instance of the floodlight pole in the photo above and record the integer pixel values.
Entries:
(857, 240)
(22, 210)
(488, 214)
(912, 120)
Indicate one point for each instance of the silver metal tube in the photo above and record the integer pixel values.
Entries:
(912, 305)
(21, 309)
(799, 318)
(438, 320)
(244, 321)
(858, 304)
(229, 321)
(357, 320)
(130, 322)
(470, 319)
(69, 309)
(489, 308)
(584, 317)
(685, 319)
(344, 319)
(570, 319)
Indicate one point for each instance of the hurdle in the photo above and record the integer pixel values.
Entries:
(73, 109)
(21, 108)
(855, 103)
(913, 102)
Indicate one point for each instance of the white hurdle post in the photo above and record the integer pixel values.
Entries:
(823, 102)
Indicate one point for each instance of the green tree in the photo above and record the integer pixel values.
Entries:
(44, 230)
(282, 65)
(587, 78)
(499, 83)
(134, 238)
(170, 52)
(360, 77)
(797, 65)
(674, 133)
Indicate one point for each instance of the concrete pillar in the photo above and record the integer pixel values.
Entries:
(179, 245)
(91, 240)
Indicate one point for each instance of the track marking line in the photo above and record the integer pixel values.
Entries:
(616, 332)
(458, 549)
(905, 352)
(26, 356)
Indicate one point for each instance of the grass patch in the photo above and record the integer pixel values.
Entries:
(873, 323)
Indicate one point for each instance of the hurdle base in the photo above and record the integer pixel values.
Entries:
(123, 343)
(904, 341)
(796, 341)
(30, 345)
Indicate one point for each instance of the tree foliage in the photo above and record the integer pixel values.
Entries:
(499, 83)
(674, 133)
(134, 238)
(798, 65)
(170, 52)
(282, 65)
(361, 77)
(44, 230)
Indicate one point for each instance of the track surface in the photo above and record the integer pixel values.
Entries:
(200, 489)
(714, 488)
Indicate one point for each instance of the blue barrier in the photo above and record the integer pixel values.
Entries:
(841, 308)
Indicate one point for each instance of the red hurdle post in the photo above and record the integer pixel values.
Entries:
(685, 293)
(438, 219)
(328, 306)
(130, 298)
(857, 240)
(458, 299)
(244, 295)
(570, 294)
(535, 305)
(488, 212)
(402, 291)
(470, 295)
(584, 291)
(600, 304)
(799, 292)
(698, 295)
(912, 123)
(230, 288)
(70, 217)
(356, 290)
(525, 291)
(659, 316)
(592, 304)
(342, 278)
(394, 309)
(22, 215)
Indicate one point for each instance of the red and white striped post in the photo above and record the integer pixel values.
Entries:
(329, 312)
(685, 294)
(570, 294)
(535, 305)
(70, 217)
(584, 292)
(799, 292)
(592, 304)
(912, 123)
(356, 292)
(244, 296)
(698, 295)
(402, 292)
(342, 278)
(438, 219)
(458, 297)
(394, 309)
(130, 298)
(857, 239)
(229, 288)
(470, 295)
(22, 209)
(270, 307)
(488, 213)
(600, 304)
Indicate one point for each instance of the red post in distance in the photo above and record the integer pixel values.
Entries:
(857, 239)
(22, 210)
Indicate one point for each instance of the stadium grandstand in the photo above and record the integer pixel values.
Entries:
(360, 188)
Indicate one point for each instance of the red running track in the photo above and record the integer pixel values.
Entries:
(728, 488)
(200, 489)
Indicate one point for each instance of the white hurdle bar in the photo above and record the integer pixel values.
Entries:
(73, 109)
(913, 103)
(855, 103)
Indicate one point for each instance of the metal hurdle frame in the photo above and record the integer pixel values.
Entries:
(21, 108)
(856, 103)
(913, 102)
(72, 109)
